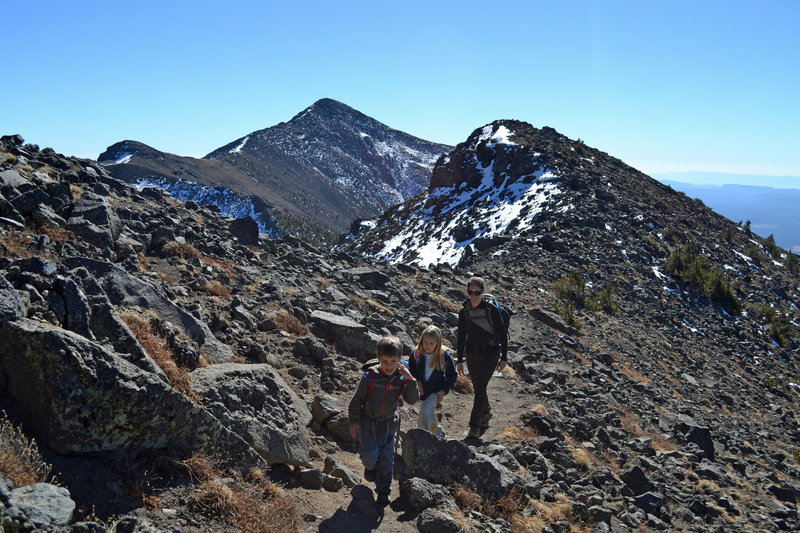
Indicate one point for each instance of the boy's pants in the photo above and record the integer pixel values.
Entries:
(427, 415)
(377, 450)
(481, 363)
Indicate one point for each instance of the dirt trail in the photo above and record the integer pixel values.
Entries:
(331, 509)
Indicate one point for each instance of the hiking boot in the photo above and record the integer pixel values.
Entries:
(485, 420)
(369, 474)
(383, 499)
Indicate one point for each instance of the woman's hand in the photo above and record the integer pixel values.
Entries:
(501, 365)
(460, 368)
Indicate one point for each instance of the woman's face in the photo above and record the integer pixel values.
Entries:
(474, 294)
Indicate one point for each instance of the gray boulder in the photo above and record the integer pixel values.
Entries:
(348, 336)
(436, 520)
(246, 230)
(367, 277)
(421, 494)
(123, 288)
(94, 219)
(43, 504)
(448, 461)
(83, 399)
(11, 306)
(256, 403)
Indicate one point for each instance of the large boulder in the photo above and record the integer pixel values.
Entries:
(348, 336)
(123, 288)
(94, 219)
(83, 399)
(256, 403)
(245, 229)
(448, 461)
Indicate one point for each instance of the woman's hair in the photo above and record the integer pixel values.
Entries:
(475, 281)
(432, 332)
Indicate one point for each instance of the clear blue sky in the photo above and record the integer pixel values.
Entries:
(666, 86)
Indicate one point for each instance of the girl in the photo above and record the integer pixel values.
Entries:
(436, 374)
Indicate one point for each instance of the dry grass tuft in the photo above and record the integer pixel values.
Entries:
(180, 249)
(151, 502)
(467, 499)
(247, 512)
(289, 324)
(20, 461)
(464, 385)
(200, 467)
(539, 409)
(215, 288)
(515, 434)
(144, 262)
(157, 349)
(509, 505)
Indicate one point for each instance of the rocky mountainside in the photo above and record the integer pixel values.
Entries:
(325, 167)
(182, 372)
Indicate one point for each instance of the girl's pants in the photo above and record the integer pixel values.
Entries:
(427, 416)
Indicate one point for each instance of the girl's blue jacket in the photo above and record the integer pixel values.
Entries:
(439, 380)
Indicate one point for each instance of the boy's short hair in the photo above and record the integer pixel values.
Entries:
(389, 346)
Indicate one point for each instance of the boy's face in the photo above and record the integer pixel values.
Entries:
(389, 364)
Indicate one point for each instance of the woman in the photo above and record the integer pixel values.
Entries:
(484, 349)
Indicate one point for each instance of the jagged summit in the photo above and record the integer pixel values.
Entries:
(325, 167)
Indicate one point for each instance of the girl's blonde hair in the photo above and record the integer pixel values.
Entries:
(432, 332)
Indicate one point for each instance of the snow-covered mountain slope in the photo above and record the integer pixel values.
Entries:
(337, 163)
(446, 223)
(321, 170)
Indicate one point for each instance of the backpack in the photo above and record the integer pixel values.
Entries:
(372, 362)
(500, 330)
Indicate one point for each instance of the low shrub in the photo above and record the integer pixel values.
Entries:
(692, 268)
(20, 461)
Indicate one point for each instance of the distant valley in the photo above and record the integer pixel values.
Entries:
(771, 211)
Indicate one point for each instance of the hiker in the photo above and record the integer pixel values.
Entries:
(485, 351)
(436, 374)
(373, 413)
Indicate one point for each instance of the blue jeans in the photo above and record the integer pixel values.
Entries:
(377, 450)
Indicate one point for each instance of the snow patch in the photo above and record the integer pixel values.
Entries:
(238, 149)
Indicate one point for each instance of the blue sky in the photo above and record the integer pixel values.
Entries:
(673, 86)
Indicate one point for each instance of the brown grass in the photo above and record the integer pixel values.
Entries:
(515, 434)
(246, 511)
(180, 249)
(289, 324)
(200, 466)
(463, 385)
(633, 374)
(215, 288)
(59, 235)
(467, 499)
(76, 191)
(152, 502)
(20, 461)
(144, 262)
(632, 424)
(169, 280)
(157, 349)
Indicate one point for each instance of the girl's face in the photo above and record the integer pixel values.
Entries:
(428, 344)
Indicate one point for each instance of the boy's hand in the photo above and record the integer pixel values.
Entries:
(354, 430)
(403, 369)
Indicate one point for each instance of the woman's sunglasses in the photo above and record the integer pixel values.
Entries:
(474, 293)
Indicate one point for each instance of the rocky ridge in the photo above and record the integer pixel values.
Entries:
(666, 413)
(316, 172)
